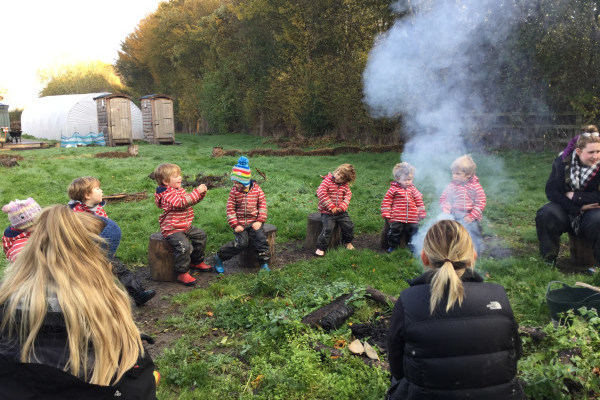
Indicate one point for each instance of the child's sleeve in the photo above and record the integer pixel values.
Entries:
(323, 195)
(345, 203)
(178, 201)
(262, 206)
(418, 199)
(479, 202)
(231, 214)
(386, 204)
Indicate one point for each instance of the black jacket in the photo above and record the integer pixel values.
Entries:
(559, 183)
(470, 352)
(47, 380)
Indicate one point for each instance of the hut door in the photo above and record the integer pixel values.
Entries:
(120, 120)
(164, 127)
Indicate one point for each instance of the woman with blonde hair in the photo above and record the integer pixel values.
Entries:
(64, 322)
(452, 336)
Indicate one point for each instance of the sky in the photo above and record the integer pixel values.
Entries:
(38, 35)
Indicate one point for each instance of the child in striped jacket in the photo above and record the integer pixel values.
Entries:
(402, 207)
(334, 196)
(246, 214)
(21, 214)
(189, 242)
(463, 199)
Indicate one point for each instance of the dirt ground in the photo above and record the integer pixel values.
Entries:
(160, 307)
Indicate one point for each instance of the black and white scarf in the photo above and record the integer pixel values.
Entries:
(581, 174)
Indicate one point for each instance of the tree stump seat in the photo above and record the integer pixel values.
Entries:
(582, 254)
(384, 241)
(248, 259)
(314, 226)
(160, 259)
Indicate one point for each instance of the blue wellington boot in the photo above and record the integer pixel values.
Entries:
(265, 266)
(218, 264)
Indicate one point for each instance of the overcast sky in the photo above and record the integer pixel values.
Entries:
(39, 34)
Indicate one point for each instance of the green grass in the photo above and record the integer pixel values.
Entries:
(254, 345)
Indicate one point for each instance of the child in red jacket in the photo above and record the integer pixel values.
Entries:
(189, 242)
(21, 214)
(463, 199)
(246, 214)
(334, 198)
(402, 207)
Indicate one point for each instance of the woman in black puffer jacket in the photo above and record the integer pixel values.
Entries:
(452, 336)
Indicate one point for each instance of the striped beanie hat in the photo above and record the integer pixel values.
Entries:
(241, 171)
(22, 213)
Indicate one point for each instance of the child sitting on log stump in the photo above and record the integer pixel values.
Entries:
(334, 196)
(246, 214)
(21, 214)
(402, 207)
(86, 196)
(464, 200)
(189, 242)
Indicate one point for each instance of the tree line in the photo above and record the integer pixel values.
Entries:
(294, 67)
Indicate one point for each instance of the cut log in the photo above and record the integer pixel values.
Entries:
(380, 297)
(160, 259)
(314, 226)
(330, 316)
(582, 255)
(247, 258)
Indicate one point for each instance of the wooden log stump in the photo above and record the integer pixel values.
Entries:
(247, 258)
(582, 254)
(160, 259)
(313, 230)
(383, 238)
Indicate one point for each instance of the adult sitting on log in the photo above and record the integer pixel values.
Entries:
(573, 191)
(452, 336)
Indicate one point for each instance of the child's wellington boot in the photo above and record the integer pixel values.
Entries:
(186, 279)
(219, 264)
(265, 266)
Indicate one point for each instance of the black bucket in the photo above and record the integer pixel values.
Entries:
(567, 298)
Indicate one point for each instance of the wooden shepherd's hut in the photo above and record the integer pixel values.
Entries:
(114, 118)
(157, 116)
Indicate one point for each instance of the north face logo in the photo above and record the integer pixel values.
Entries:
(117, 394)
(494, 305)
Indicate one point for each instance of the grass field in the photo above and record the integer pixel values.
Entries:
(242, 337)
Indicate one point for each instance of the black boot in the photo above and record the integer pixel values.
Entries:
(143, 296)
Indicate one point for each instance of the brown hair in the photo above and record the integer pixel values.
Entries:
(81, 187)
(164, 172)
(464, 164)
(346, 172)
(589, 134)
(449, 248)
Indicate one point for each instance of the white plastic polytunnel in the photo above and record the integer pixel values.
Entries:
(51, 117)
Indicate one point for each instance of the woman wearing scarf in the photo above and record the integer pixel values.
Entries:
(573, 189)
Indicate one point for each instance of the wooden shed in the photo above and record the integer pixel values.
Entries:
(114, 118)
(157, 116)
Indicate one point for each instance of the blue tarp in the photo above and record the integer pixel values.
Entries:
(77, 139)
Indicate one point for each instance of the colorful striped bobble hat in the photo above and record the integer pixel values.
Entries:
(22, 213)
(241, 171)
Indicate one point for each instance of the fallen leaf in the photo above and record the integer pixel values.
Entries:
(209, 313)
(371, 353)
(339, 344)
(224, 340)
(335, 357)
(256, 381)
(356, 347)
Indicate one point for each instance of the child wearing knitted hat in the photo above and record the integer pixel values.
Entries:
(21, 214)
(246, 214)
(86, 196)
(334, 196)
(189, 242)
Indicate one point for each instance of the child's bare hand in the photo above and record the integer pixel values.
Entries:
(256, 225)
(468, 219)
(238, 229)
(202, 188)
(590, 206)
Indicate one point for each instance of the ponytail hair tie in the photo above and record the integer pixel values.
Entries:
(446, 260)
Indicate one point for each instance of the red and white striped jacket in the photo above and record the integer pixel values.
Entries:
(80, 207)
(178, 213)
(13, 242)
(403, 204)
(464, 199)
(245, 208)
(333, 195)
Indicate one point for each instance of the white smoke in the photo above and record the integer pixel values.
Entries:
(423, 68)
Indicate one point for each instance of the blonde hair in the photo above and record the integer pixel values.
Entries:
(164, 172)
(584, 139)
(464, 164)
(63, 259)
(403, 170)
(346, 172)
(450, 250)
(81, 187)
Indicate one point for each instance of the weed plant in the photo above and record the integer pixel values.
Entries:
(242, 336)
